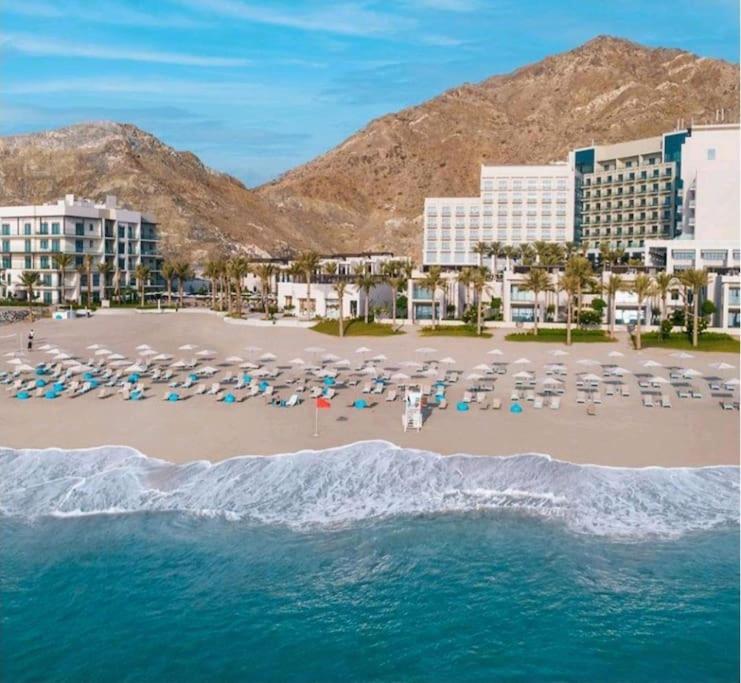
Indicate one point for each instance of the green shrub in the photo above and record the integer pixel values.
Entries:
(590, 318)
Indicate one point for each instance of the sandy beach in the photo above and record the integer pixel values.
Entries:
(694, 432)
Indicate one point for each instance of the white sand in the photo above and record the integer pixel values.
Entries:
(692, 433)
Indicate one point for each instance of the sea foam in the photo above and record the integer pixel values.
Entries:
(369, 480)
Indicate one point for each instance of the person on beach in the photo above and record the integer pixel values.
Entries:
(30, 339)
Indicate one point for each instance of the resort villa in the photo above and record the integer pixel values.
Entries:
(32, 236)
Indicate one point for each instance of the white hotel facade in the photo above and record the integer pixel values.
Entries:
(516, 204)
(31, 236)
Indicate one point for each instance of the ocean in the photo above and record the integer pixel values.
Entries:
(364, 563)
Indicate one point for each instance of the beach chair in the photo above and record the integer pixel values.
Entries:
(648, 402)
(496, 404)
(467, 397)
(597, 398)
(683, 393)
(443, 404)
(330, 393)
(515, 395)
(391, 395)
(254, 390)
(269, 391)
(104, 393)
(609, 390)
(367, 388)
(581, 397)
(481, 397)
(538, 402)
(695, 394)
(726, 405)
(227, 378)
(715, 386)
(215, 388)
(378, 389)
(293, 400)
(315, 392)
(665, 402)
(39, 393)
(556, 403)
(199, 389)
(625, 392)
(483, 405)
(530, 395)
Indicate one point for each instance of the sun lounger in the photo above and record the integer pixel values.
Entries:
(515, 395)
(695, 394)
(467, 397)
(556, 403)
(378, 389)
(530, 395)
(481, 397)
(665, 402)
(625, 392)
(442, 404)
(538, 402)
(483, 405)
(329, 393)
(609, 390)
(496, 404)
(292, 401)
(597, 398)
(682, 393)
(391, 395)
(214, 389)
(581, 397)
(726, 405)
(315, 392)
(269, 391)
(648, 402)
(367, 388)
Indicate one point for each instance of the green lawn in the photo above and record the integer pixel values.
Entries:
(558, 336)
(709, 341)
(454, 331)
(356, 328)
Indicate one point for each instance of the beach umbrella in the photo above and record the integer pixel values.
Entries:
(550, 381)
(619, 371)
(113, 356)
(429, 373)
(721, 366)
(587, 361)
(62, 356)
(681, 354)
(44, 347)
(399, 377)
(92, 347)
(187, 347)
(523, 374)
(515, 408)
(330, 357)
(205, 353)
(40, 383)
(15, 361)
(691, 372)
(103, 352)
(234, 359)
(329, 381)
(13, 353)
(616, 354)
(448, 360)
(652, 364)
(343, 363)
(261, 373)
(411, 364)
(473, 376)
(207, 370)
(462, 407)
(249, 365)
(425, 350)
(268, 356)
(135, 368)
(51, 352)
(148, 352)
(734, 381)
(558, 352)
(297, 361)
(133, 378)
(482, 366)
(162, 357)
(23, 395)
(178, 364)
(380, 357)
(118, 363)
(361, 403)
(591, 377)
(362, 349)
(521, 361)
(369, 370)
(173, 396)
(659, 380)
(495, 352)
(143, 347)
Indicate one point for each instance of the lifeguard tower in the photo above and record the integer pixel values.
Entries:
(412, 417)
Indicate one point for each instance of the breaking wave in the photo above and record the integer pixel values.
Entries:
(369, 480)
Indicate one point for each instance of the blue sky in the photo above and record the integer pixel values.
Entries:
(255, 88)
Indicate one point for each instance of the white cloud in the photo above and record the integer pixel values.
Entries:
(49, 47)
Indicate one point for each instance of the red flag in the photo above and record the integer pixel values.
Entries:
(322, 403)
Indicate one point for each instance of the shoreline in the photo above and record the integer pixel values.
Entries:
(693, 433)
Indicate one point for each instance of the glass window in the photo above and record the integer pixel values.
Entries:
(6, 228)
(27, 262)
(26, 228)
(55, 228)
(711, 153)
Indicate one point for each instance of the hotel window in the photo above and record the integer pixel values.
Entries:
(711, 153)
(474, 221)
(713, 254)
(460, 222)
(27, 262)
(44, 262)
(55, 228)
(26, 228)
(7, 262)
(79, 229)
(432, 222)
(502, 235)
(488, 185)
(460, 210)
(446, 211)
(432, 211)
(55, 245)
(79, 246)
(44, 229)
(446, 221)
(488, 235)
(488, 221)
(44, 245)
(6, 228)
(6, 245)
(488, 197)
(27, 245)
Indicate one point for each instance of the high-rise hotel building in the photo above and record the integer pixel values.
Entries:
(516, 204)
(30, 236)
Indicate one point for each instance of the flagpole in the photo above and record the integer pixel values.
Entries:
(316, 419)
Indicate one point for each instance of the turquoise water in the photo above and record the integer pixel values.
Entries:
(486, 570)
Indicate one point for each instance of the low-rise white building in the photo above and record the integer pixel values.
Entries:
(31, 236)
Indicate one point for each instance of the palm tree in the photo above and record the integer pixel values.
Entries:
(465, 278)
(495, 251)
(62, 263)
(183, 272)
(537, 281)
(614, 285)
(168, 272)
(481, 249)
(365, 282)
(238, 269)
(307, 263)
(339, 285)
(142, 275)
(434, 281)
(570, 284)
(664, 283)
(478, 280)
(510, 253)
(88, 261)
(104, 268)
(581, 267)
(642, 287)
(265, 273)
(29, 280)
(396, 275)
(117, 284)
(697, 280)
(211, 272)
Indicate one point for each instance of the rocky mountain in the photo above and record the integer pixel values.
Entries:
(198, 208)
(370, 189)
(368, 192)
